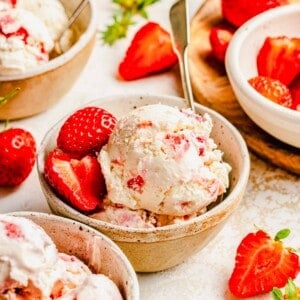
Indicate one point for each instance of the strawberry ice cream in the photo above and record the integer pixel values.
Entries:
(32, 268)
(27, 256)
(161, 160)
(24, 41)
(28, 29)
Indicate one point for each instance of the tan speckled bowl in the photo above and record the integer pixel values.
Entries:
(151, 250)
(92, 247)
(43, 86)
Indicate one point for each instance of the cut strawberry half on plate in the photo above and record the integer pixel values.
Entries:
(237, 12)
(279, 58)
(262, 263)
(79, 182)
(272, 89)
(149, 52)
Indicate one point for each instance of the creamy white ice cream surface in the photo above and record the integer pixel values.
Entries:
(163, 160)
(24, 41)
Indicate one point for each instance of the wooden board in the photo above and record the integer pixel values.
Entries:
(211, 88)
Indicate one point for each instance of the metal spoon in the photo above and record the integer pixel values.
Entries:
(57, 43)
(180, 33)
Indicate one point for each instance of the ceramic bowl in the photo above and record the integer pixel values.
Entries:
(92, 247)
(44, 85)
(281, 122)
(156, 249)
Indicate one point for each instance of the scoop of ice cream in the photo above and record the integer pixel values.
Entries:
(163, 160)
(98, 286)
(27, 254)
(24, 41)
(72, 274)
(51, 12)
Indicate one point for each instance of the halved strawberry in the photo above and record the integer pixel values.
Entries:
(272, 89)
(279, 58)
(237, 12)
(150, 52)
(86, 131)
(295, 92)
(262, 263)
(219, 38)
(79, 182)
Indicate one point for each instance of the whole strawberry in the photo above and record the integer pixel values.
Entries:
(262, 263)
(85, 131)
(17, 156)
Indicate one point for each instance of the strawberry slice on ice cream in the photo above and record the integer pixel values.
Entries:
(79, 182)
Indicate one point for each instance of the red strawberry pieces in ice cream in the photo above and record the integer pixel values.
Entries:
(13, 230)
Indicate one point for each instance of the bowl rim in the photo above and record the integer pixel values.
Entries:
(134, 284)
(117, 229)
(66, 56)
(232, 65)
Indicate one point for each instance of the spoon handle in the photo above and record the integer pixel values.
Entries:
(180, 32)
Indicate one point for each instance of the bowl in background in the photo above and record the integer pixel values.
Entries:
(91, 246)
(156, 249)
(43, 86)
(281, 122)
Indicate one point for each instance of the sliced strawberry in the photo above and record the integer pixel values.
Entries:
(295, 92)
(79, 182)
(17, 156)
(219, 38)
(279, 58)
(86, 131)
(262, 263)
(272, 89)
(237, 12)
(150, 52)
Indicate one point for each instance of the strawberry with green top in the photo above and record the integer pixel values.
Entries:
(150, 52)
(279, 58)
(85, 131)
(291, 292)
(272, 89)
(79, 182)
(262, 263)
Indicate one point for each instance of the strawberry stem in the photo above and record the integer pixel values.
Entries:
(10, 95)
(282, 234)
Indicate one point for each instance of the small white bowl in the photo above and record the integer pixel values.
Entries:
(281, 122)
(92, 247)
(156, 249)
